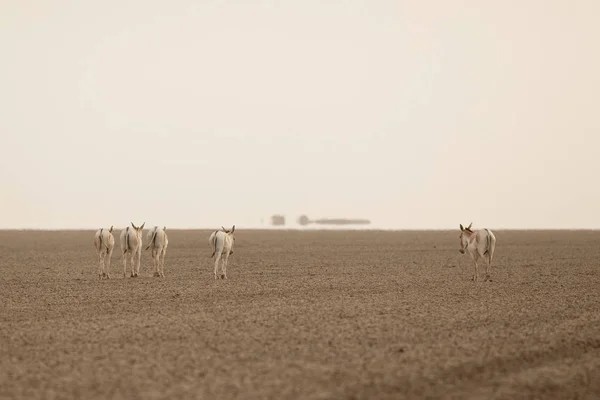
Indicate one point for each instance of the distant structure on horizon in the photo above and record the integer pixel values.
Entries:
(277, 220)
(304, 220)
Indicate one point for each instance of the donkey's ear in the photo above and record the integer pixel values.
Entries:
(233, 229)
(111, 229)
(133, 226)
(469, 227)
(142, 227)
(462, 228)
(164, 228)
(224, 230)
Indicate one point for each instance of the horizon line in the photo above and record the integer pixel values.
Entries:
(306, 229)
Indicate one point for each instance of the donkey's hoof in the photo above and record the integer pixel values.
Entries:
(222, 276)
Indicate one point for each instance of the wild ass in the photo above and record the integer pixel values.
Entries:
(222, 244)
(131, 242)
(158, 241)
(479, 243)
(104, 241)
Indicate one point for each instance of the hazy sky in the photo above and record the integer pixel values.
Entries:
(188, 113)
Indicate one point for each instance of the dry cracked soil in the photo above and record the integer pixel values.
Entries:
(303, 315)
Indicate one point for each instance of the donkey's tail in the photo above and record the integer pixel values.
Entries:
(107, 241)
(152, 240)
(126, 240)
(488, 241)
(100, 239)
(214, 243)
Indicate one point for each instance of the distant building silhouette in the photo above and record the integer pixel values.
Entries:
(277, 220)
(304, 220)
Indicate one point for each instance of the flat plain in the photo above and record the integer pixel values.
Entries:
(304, 315)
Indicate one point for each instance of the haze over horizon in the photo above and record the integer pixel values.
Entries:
(415, 115)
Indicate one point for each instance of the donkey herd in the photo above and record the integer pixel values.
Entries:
(479, 244)
(131, 245)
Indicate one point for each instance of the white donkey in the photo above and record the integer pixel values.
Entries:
(104, 241)
(158, 241)
(131, 242)
(222, 244)
(479, 243)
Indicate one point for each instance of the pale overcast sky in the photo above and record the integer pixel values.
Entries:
(192, 114)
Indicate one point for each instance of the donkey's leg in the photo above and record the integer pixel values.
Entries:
(224, 266)
(156, 262)
(100, 266)
(217, 258)
(476, 257)
(132, 263)
(135, 264)
(490, 258)
(139, 261)
(154, 267)
(476, 275)
(125, 264)
(103, 264)
(476, 272)
(488, 267)
(107, 265)
(162, 263)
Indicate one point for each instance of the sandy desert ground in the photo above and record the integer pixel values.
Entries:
(303, 315)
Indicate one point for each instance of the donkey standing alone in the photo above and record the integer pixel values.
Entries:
(104, 241)
(222, 244)
(158, 241)
(131, 242)
(479, 243)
